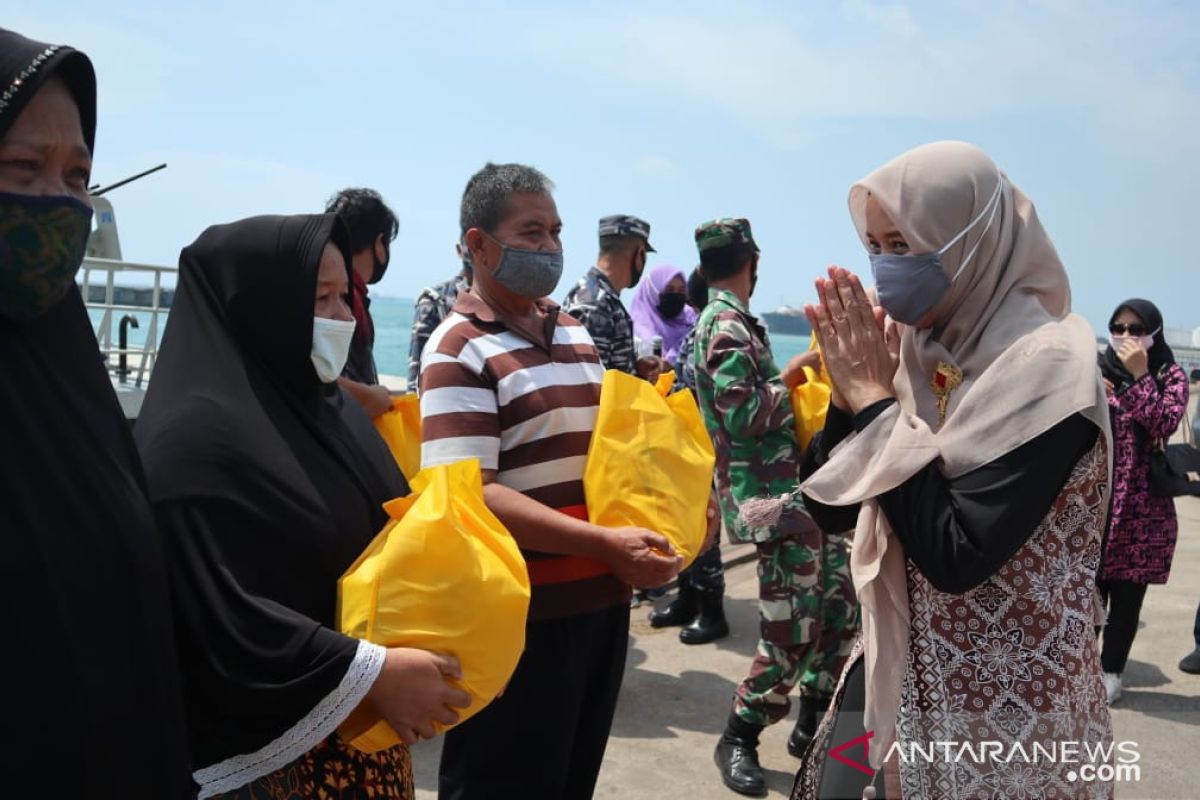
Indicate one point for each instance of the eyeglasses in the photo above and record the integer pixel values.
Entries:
(1133, 329)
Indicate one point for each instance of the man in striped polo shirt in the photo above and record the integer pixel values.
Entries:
(509, 379)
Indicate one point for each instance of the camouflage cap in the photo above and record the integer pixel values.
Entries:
(626, 225)
(724, 232)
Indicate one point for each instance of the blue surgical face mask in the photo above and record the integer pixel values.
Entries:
(909, 286)
(531, 274)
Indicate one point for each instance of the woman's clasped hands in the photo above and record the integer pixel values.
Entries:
(860, 346)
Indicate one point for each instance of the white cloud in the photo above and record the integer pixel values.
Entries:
(779, 71)
(656, 166)
(887, 17)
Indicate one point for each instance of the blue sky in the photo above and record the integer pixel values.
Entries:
(675, 111)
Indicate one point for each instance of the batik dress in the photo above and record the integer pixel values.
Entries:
(1013, 661)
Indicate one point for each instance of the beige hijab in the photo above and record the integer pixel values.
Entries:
(1027, 364)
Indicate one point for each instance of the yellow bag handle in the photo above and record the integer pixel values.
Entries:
(810, 402)
(401, 429)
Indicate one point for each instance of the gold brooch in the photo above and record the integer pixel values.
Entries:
(946, 378)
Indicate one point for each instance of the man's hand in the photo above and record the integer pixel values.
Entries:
(377, 400)
(412, 692)
(643, 559)
(651, 367)
(793, 374)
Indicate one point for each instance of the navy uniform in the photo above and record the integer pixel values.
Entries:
(595, 303)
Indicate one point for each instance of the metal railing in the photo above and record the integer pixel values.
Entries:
(133, 360)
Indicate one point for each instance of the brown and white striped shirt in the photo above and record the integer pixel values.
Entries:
(524, 402)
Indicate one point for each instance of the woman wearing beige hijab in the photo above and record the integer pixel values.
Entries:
(969, 435)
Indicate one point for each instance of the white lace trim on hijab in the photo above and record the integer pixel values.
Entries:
(311, 730)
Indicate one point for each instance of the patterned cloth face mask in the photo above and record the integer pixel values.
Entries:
(910, 285)
(42, 244)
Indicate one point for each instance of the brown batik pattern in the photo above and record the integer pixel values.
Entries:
(1013, 660)
(333, 770)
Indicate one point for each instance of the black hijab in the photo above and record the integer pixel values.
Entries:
(268, 483)
(1160, 354)
(24, 67)
(93, 707)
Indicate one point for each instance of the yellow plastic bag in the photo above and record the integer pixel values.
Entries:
(665, 382)
(443, 575)
(810, 402)
(650, 463)
(401, 429)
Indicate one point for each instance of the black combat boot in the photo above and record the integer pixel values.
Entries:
(710, 624)
(812, 711)
(737, 758)
(679, 611)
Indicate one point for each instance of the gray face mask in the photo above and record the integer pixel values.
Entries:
(910, 285)
(532, 274)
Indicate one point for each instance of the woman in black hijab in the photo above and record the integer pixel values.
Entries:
(92, 707)
(268, 483)
(1147, 396)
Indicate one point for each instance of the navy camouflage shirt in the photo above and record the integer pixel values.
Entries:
(595, 303)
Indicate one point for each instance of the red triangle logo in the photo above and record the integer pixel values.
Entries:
(863, 766)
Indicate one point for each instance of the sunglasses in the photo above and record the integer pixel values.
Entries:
(1133, 329)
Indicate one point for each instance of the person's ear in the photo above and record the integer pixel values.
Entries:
(475, 241)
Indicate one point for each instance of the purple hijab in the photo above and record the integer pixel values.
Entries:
(649, 322)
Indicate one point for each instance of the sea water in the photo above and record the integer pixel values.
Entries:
(393, 329)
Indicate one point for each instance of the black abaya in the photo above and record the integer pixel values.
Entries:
(267, 485)
(92, 705)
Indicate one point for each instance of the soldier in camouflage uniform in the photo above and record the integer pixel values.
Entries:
(596, 299)
(430, 308)
(806, 598)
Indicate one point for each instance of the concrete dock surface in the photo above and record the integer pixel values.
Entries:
(675, 698)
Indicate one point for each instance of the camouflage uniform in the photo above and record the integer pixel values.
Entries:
(431, 307)
(806, 598)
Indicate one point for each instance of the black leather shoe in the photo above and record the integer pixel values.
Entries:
(737, 759)
(680, 611)
(1191, 662)
(812, 710)
(710, 624)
